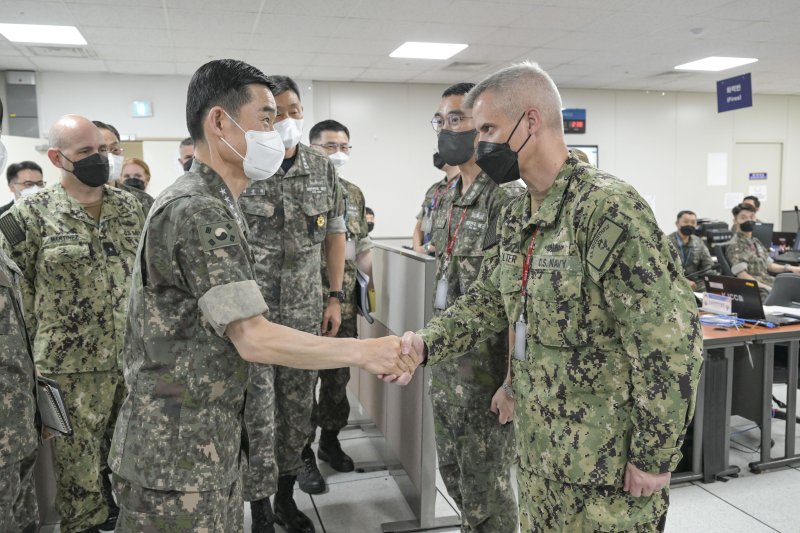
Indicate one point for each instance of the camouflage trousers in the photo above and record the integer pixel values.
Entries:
(260, 472)
(80, 459)
(294, 399)
(18, 507)
(332, 409)
(550, 506)
(144, 510)
(475, 454)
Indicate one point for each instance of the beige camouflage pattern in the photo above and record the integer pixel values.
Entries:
(475, 452)
(289, 216)
(76, 274)
(695, 259)
(614, 344)
(181, 427)
(19, 438)
(748, 254)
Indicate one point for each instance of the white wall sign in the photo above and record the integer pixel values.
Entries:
(717, 169)
(759, 191)
(732, 199)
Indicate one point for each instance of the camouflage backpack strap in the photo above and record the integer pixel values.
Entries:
(11, 229)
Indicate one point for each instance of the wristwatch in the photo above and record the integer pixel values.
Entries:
(339, 295)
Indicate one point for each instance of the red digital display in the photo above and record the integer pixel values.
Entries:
(574, 126)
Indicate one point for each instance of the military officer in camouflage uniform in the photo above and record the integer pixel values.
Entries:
(195, 321)
(474, 451)
(115, 160)
(748, 257)
(290, 216)
(74, 243)
(332, 139)
(692, 251)
(608, 344)
(18, 417)
(422, 231)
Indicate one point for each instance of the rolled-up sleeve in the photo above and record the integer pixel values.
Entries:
(224, 304)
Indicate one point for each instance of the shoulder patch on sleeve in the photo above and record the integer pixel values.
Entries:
(604, 243)
(218, 235)
(11, 229)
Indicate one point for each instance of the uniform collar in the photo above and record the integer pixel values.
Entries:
(464, 200)
(300, 166)
(550, 210)
(217, 187)
(73, 208)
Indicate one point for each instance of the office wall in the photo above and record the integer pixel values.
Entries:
(659, 143)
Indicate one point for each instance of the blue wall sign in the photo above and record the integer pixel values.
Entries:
(734, 93)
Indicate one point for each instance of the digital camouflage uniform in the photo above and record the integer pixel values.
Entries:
(748, 254)
(181, 432)
(76, 274)
(332, 409)
(289, 216)
(613, 352)
(19, 438)
(144, 199)
(475, 451)
(695, 259)
(430, 203)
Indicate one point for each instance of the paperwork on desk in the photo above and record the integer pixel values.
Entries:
(792, 312)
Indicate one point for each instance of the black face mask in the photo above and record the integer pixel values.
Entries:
(136, 183)
(370, 227)
(746, 226)
(438, 162)
(92, 171)
(498, 160)
(457, 147)
(687, 230)
(188, 164)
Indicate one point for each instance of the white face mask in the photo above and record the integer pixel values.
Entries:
(114, 166)
(30, 190)
(290, 129)
(264, 153)
(339, 159)
(3, 156)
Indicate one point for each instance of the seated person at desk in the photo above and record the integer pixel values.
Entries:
(754, 202)
(694, 255)
(747, 256)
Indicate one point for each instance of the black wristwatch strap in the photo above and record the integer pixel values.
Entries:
(337, 294)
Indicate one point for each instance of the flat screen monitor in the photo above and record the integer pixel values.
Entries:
(763, 232)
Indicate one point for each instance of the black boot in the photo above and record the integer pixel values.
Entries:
(310, 478)
(113, 509)
(331, 451)
(286, 512)
(263, 521)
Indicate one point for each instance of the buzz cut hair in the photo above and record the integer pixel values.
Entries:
(685, 212)
(519, 87)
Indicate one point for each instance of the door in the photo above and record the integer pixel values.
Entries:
(757, 172)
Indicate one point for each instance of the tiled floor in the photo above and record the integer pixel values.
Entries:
(751, 503)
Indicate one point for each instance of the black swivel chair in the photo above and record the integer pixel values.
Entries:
(719, 252)
(785, 290)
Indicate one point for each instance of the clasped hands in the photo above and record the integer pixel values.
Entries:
(394, 359)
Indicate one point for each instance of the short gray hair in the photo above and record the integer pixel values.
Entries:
(519, 87)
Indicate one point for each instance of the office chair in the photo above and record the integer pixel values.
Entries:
(785, 290)
(719, 252)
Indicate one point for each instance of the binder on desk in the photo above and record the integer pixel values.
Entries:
(51, 406)
(362, 286)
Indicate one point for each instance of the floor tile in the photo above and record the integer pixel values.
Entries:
(693, 509)
(362, 506)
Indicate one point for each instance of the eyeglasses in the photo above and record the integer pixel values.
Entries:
(453, 120)
(29, 184)
(333, 147)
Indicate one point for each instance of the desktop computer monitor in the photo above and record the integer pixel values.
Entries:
(763, 232)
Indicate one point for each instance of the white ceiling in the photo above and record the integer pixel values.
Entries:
(615, 44)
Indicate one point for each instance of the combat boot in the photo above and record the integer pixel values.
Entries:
(286, 512)
(263, 520)
(330, 450)
(310, 478)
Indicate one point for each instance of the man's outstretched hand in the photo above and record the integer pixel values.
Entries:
(390, 360)
(413, 346)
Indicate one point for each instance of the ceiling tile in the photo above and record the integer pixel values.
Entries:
(123, 17)
(69, 65)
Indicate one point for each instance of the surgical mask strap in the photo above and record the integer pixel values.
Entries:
(512, 134)
(238, 126)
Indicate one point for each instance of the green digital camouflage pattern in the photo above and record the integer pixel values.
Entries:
(20, 436)
(145, 200)
(145, 510)
(431, 200)
(613, 339)
(181, 426)
(289, 216)
(80, 459)
(695, 259)
(19, 511)
(332, 409)
(475, 451)
(748, 254)
(547, 506)
(76, 274)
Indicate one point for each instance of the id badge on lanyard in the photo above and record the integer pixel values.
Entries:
(440, 301)
(349, 248)
(520, 327)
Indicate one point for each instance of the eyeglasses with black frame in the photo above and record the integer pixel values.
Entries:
(453, 121)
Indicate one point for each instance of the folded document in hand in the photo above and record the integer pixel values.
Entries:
(363, 296)
(51, 406)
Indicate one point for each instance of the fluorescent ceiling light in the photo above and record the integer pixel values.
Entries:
(715, 64)
(416, 50)
(42, 34)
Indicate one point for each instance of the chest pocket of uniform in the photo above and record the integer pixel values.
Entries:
(64, 261)
(511, 286)
(472, 233)
(316, 205)
(556, 308)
